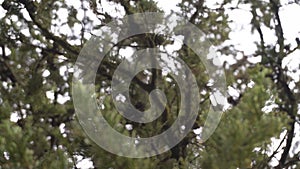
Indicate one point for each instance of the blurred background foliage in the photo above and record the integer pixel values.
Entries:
(41, 39)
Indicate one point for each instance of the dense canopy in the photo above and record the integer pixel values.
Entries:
(40, 41)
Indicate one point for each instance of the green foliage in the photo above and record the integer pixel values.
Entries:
(39, 130)
(244, 128)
